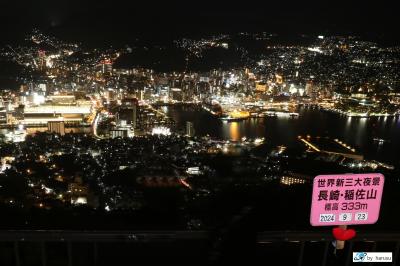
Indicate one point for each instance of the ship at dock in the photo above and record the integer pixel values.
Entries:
(235, 115)
(279, 112)
(237, 112)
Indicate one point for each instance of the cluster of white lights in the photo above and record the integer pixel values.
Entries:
(161, 131)
(285, 180)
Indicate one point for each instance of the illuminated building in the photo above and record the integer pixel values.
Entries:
(359, 96)
(129, 110)
(161, 131)
(78, 193)
(119, 133)
(193, 170)
(106, 66)
(309, 90)
(23, 88)
(251, 76)
(134, 116)
(61, 99)
(42, 87)
(32, 99)
(41, 59)
(204, 79)
(3, 116)
(189, 129)
(57, 127)
(129, 102)
(176, 94)
(6, 163)
(279, 79)
(17, 135)
(42, 114)
(110, 95)
(261, 86)
(58, 109)
(287, 180)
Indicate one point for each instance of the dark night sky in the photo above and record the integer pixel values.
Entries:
(97, 20)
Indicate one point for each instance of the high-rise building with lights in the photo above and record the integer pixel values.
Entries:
(189, 129)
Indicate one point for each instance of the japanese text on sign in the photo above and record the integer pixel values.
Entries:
(346, 199)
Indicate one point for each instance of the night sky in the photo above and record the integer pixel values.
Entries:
(117, 19)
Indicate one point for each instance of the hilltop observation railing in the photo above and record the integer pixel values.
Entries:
(97, 248)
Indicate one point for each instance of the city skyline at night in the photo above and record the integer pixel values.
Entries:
(203, 125)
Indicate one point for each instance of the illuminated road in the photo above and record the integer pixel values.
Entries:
(95, 126)
(161, 113)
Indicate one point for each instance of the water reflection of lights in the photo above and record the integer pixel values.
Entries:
(234, 130)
